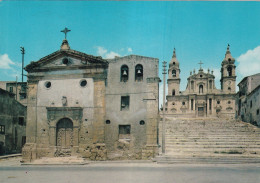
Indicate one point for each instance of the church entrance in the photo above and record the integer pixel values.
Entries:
(201, 111)
(64, 133)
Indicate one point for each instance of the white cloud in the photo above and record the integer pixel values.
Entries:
(112, 55)
(101, 51)
(5, 62)
(249, 62)
(130, 50)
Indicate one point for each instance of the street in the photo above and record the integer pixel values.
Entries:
(109, 172)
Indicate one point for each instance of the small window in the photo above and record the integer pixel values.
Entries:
(191, 104)
(173, 103)
(23, 96)
(2, 129)
(251, 104)
(107, 122)
(65, 61)
(183, 103)
(173, 92)
(257, 112)
(83, 83)
(139, 72)
(229, 102)
(11, 89)
(124, 131)
(173, 63)
(173, 73)
(142, 122)
(229, 59)
(21, 121)
(47, 84)
(229, 89)
(201, 76)
(229, 70)
(218, 102)
(124, 73)
(124, 103)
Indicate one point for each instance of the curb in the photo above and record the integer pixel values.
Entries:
(10, 156)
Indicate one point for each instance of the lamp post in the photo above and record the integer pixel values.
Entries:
(163, 124)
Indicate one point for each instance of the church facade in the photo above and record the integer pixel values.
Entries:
(86, 106)
(201, 97)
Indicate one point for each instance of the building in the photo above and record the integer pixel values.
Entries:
(79, 104)
(248, 99)
(12, 123)
(132, 107)
(201, 97)
(17, 88)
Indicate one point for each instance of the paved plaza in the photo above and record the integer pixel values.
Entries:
(115, 172)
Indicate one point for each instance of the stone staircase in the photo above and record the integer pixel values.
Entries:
(210, 141)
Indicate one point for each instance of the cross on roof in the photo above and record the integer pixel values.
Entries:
(65, 31)
(200, 64)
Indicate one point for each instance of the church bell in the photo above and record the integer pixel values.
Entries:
(124, 73)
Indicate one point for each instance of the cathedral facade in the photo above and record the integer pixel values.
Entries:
(201, 97)
(86, 106)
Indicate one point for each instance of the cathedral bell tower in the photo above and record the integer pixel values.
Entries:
(228, 74)
(173, 76)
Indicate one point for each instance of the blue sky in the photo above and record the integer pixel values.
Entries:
(198, 31)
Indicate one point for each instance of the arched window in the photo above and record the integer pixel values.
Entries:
(173, 73)
(210, 84)
(192, 85)
(201, 89)
(229, 70)
(173, 92)
(124, 73)
(139, 72)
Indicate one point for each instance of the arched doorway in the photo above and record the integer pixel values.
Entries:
(64, 133)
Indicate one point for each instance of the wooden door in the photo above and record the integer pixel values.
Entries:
(65, 133)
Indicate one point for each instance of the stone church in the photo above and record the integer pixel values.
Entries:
(86, 106)
(201, 97)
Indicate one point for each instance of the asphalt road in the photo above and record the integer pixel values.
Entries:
(131, 172)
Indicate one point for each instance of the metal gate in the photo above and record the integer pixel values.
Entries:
(64, 133)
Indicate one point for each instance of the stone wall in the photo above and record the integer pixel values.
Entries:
(140, 117)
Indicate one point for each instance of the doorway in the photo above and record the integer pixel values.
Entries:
(64, 133)
(201, 111)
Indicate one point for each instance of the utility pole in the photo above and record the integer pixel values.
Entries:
(16, 88)
(23, 52)
(163, 124)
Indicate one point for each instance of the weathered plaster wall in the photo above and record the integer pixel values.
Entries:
(138, 92)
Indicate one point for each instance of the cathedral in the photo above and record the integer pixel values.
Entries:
(201, 98)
